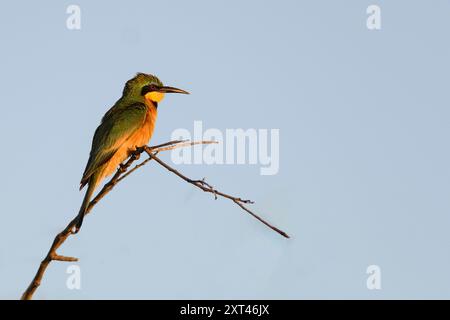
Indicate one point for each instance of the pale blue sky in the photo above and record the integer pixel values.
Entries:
(364, 160)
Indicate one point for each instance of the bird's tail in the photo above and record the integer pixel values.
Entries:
(84, 206)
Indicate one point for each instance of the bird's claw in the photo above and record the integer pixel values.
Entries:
(136, 156)
(75, 228)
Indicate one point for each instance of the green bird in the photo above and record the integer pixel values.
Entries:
(126, 126)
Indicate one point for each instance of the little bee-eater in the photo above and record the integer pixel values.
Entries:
(127, 125)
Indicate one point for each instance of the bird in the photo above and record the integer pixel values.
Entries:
(126, 126)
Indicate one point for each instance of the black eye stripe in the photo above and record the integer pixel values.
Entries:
(148, 88)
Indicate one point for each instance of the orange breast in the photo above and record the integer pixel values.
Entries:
(142, 136)
(138, 139)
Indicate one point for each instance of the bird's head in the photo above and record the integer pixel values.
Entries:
(147, 88)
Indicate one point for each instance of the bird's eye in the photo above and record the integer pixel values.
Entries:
(148, 88)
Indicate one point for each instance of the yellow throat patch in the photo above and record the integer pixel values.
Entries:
(154, 96)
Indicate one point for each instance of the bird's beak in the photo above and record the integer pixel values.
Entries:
(166, 89)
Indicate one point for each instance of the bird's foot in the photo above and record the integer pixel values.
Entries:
(122, 168)
(136, 156)
(76, 228)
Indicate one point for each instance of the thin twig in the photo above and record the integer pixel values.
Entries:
(121, 173)
(206, 187)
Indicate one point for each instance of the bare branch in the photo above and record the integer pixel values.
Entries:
(121, 173)
(206, 187)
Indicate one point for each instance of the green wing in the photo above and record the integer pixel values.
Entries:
(116, 127)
